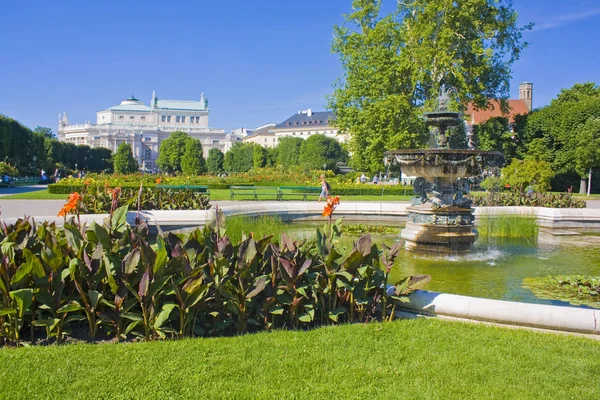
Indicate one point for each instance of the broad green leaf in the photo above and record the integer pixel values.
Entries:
(71, 306)
(37, 270)
(23, 298)
(101, 234)
(119, 219)
(259, 285)
(161, 255)
(163, 316)
(133, 316)
(7, 311)
(335, 313)
(95, 298)
(276, 310)
(131, 261)
(22, 272)
(74, 237)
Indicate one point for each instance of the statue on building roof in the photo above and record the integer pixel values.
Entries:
(154, 101)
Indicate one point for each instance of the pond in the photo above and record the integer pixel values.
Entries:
(495, 269)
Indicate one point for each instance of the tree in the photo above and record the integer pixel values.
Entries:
(171, 151)
(99, 160)
(259, 157)
(321, 152)
(288, 151)
(123, 160)
(214, 162)
(587, 152)
(192, 161)
(520, 174)
(46, 132)
(272, 154)
(239, 158)
(394, 65)
(555, 133)
(495, 135)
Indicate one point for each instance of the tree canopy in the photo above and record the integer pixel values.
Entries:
(394, 65)
(192, 161)
(240, 158)
(321, 152)
(123, 160)
(288, 151)
(171, 151)
(214, 162)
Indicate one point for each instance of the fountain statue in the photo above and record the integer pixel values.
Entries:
(440, 217)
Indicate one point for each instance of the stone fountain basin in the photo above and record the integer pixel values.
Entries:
(443, 163)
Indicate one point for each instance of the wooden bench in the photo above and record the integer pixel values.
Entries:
(297, 191)
(254, 192)
(191, 188)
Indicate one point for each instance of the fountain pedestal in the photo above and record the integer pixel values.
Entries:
(446, 229)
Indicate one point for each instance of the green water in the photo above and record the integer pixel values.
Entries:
(495, 268)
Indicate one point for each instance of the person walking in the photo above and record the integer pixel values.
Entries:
(325, 188)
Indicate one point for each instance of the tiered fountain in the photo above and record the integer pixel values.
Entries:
(440, 218)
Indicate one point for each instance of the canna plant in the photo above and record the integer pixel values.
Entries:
(107, 280)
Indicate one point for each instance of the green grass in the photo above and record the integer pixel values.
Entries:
(261, 226)
(424, 359)
(37, 195)
(215, 194)
(508, 226)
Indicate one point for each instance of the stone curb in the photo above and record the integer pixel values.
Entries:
(569, 319)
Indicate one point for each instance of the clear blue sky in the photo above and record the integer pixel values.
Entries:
(256, 61)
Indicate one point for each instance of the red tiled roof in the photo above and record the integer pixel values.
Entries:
(475, 117)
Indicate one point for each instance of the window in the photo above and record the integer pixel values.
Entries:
(142, 117)
(197, 119)
(265, 140)
(131, 117)
(147, 153)
(177, 118)
(163, 118)
(168, 118)
(304, 122)
(182, 119)
(120, 117)
(147, 139)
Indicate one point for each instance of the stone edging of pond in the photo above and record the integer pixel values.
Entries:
(568, 319)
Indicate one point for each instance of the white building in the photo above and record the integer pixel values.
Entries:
(145, 127)
(263, 135)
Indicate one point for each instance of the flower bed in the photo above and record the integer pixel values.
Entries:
(109, 281)
(552, 200)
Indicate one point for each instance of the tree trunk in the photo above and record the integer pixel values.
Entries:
(582, 186)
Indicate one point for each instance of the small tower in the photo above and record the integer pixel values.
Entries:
(153, 101)
(526, 94)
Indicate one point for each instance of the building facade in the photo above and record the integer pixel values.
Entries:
(145, 127)
(303, 124)
(522, 106)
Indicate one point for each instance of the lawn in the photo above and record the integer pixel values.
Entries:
(215, 194)
(424, 358)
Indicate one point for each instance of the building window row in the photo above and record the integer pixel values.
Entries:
(165, 118)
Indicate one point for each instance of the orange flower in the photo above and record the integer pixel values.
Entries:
(86, 182)
(106, 184)
(332, 203)
(158, 181)
(70, 205)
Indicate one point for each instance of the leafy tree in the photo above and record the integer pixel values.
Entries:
(495, 135)
(171, 151)
(587, 151)
(320, 151)
(192, 161)
(240, 158)
(272, 154)
(123, 160)
(288, 151)
(556, 132)
(46, 132)
(99, 160)
(259, 156)
(520, 174)
(394, 65)
(214, 162)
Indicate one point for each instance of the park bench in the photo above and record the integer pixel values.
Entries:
(192, 188)
(298, 191)
(254, 192)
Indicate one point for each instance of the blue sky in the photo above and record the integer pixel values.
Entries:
(256, 61)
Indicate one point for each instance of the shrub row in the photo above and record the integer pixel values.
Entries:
(553, 200)
(107, 280)
(338, 190)
(99, 200)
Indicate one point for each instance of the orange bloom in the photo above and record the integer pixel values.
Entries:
(332, 203)
(106, 184)
(158, 181)
(70, 205)
(86, 182)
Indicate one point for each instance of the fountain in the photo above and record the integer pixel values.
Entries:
(440, 218)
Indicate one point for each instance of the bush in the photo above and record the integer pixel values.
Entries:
(552, 200)
(108, 280)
